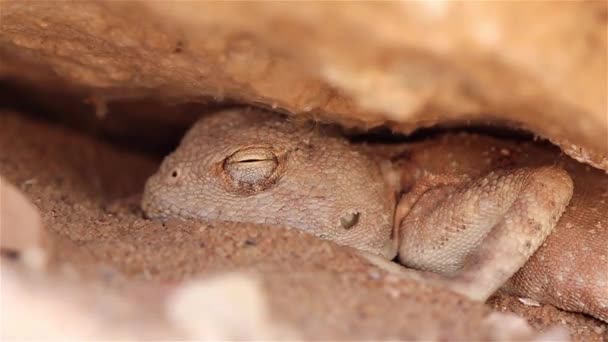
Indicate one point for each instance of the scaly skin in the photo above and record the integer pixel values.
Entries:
(474, 215)
(295, 177)
(570, 270)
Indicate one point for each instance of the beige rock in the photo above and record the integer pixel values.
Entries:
(540, 66)
(20, 223)
(231, 306)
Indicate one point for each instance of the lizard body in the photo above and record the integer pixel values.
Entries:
(474, 209)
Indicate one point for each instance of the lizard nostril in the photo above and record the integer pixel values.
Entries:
(174, 177)
(350, 219)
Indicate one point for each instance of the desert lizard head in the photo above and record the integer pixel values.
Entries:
(251, 166)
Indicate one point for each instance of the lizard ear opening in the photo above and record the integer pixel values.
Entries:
(252, 166)
(349, 219)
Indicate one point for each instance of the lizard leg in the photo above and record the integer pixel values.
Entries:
(570, 269)
(478, 233)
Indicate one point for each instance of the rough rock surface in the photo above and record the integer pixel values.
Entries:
(415, 65)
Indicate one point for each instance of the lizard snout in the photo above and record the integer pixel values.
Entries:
(153, 201)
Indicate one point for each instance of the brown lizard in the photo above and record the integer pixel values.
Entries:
(474, 209)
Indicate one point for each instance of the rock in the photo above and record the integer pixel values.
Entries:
(20, 225)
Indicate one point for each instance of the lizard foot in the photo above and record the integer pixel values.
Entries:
(478, 233)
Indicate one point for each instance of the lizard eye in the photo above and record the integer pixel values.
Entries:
(251, 166)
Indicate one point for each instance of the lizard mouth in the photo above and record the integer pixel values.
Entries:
(152, 203)
(150, 211)
(163, 202)
(155, 207)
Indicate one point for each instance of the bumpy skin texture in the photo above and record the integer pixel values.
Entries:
(570, 269)
(479, 232)
(473, 214)
(248, 166)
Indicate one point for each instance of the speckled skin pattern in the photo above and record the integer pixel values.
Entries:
(479, 232)
(307, 182)
(570, 269)
(475, 215)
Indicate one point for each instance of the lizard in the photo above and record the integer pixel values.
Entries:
(472, 213)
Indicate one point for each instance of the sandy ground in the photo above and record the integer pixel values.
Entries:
(88, 194)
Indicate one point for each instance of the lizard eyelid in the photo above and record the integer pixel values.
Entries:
(251, 166)
(251, 154)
